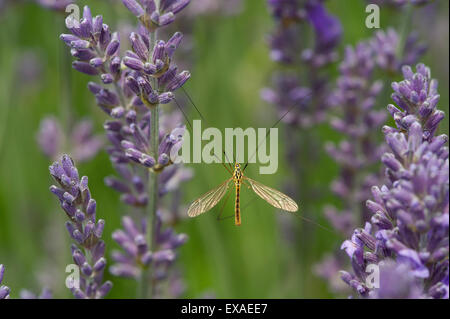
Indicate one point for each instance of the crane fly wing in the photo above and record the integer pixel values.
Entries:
(272, 196)
(208, 200)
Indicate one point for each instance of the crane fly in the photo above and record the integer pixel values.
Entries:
(210, 199)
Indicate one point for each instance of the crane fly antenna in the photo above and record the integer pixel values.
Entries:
(192, 102)
(203, 119)
(184, 114)
(268, 133)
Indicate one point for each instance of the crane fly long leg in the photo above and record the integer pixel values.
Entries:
(219, 218)
(227, 168)
(272, 196)
(208, 200)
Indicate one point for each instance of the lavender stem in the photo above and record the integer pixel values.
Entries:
(152, 188)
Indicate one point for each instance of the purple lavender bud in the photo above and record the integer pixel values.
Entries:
(163, 256)
(86, 269)
(80, 44)
(144, 85)
(134, 64)
(114, 66)
(94, 87)
(132, 83)
(78, 257)
(178, 81)
(175, 6)
(134, 7)
(84, 67)
(163, 159)
(112, 47)
(117, 185)
(107, 78)
(96, 62)
(139, 46)
(118, 112)
(97, 25)
(158, 53)
(100, 265)
(86, 27)
(166, 19)
(173, 43)
(165, 98)
(99, 228)
(105, 37)
(69, 38)
(149, 68)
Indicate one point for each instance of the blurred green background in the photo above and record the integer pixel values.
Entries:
(268, 256)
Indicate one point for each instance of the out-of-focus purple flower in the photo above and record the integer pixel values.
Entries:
(82, 143)
(84, 228)
(327, 28)
(385, 44)
(410, 215)
(58, 5)
(329, 268)
(50, 137)
(137, 256)
(4, 290)
(396, 282)
(308, 101)
(27, 294)
(355, 116)
(353, 102)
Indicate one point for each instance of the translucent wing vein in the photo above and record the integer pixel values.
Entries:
(208, 200)
(272, 196)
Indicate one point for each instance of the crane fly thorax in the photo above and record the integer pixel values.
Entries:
(237, 174)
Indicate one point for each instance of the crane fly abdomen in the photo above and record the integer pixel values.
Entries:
(237, 177)
(237, 209)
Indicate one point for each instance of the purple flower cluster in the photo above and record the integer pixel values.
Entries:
(408, 229)
(132, 90)
(4, 290)
(83, 144)
(154, 14)
(353, 102)
(355, 116)
(84, 228)
(148, 79)
(386, 46)
(130, 145)
(292, 18)
(137, 256)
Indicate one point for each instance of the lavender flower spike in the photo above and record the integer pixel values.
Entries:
(409, 229)
(152, 15)
(4, 290)
(137, 256)
(88, 252)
